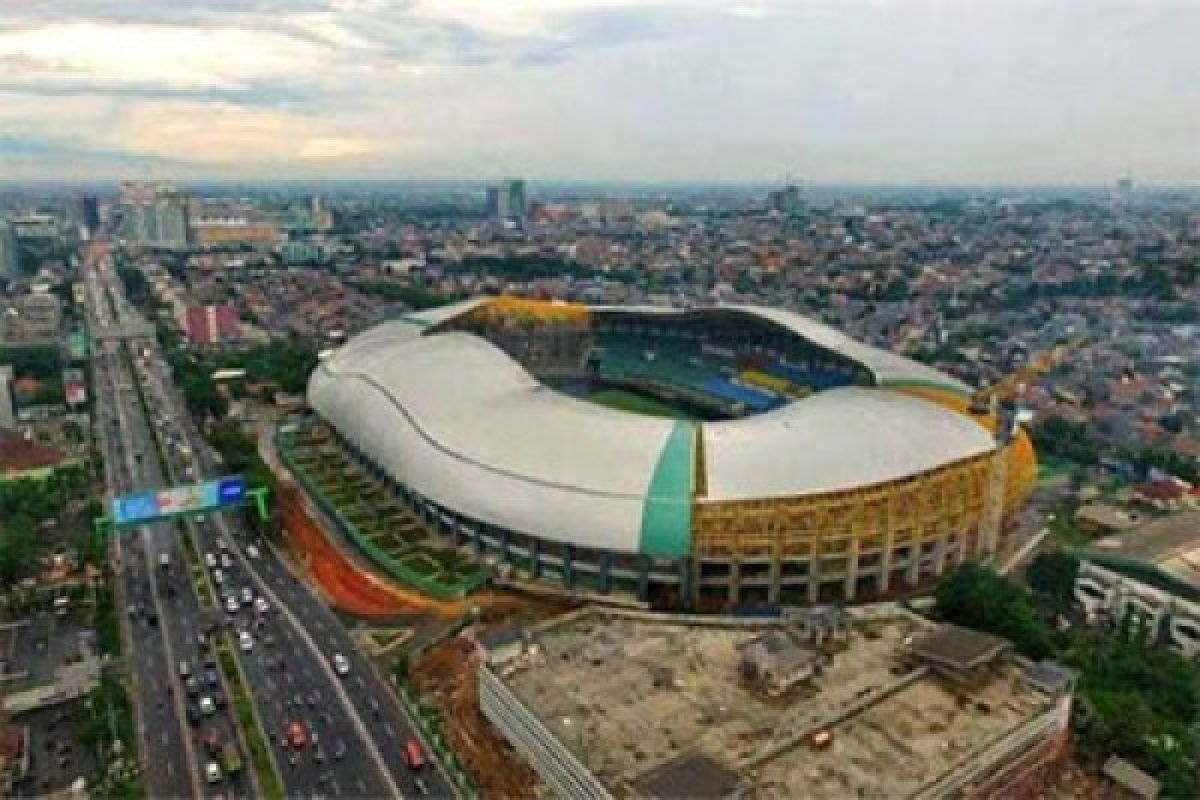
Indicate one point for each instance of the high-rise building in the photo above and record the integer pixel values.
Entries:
(171, 211)
(507, 200)
(323, 219)
(155, 216)
(84, 213)
(10, 255)
(138, 221)
(784, 200)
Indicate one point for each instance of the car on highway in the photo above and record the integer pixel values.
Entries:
(413, 756)
(207, 706)
(419, 785)
(218, 577)
(247, 595)
(296, 735)
(261, 605)
(226, 561)
(191, 686)
(212, 742)
(211, 678)
(193, 714)
(210, 560)
(245, 641)
(212, 772)
(185, 669)
(341, 664)
(231, 757)
(252, 551)
(231, 604)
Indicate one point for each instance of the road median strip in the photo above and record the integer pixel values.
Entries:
(262, 758)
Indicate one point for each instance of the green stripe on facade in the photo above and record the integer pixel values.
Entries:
(667, 513)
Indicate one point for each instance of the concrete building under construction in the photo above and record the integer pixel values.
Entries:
(605, 703)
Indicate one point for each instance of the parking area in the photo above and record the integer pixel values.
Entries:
(32, 648)
(58, 756)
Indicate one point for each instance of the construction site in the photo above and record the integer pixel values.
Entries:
(827, 703)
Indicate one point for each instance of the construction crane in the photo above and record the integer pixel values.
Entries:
(1008, 389)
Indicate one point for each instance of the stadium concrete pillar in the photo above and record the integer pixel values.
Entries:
(775, 568)
(685, 583)
(814, 571)
(916, 553)
(735, 580)
(480, 547)
(850, 586)
(535, 557)
(939, 554)
(504, 542)
(604, 576)
(889, 545)
(643, 578)
(568, 566)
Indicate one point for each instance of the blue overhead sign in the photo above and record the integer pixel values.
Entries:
(194, 498)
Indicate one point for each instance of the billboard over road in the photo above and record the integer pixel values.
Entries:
(193, 498)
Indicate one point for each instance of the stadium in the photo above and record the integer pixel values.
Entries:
(717, 457)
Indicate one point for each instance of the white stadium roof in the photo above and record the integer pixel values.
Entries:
(459, 421)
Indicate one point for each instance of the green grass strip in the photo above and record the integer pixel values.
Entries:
(262, 760)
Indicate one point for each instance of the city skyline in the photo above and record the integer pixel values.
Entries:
(1013, 93)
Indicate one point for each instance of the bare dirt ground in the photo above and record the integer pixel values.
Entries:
(445, 675)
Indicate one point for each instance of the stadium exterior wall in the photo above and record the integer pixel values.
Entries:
(854, 546)
(713, 551)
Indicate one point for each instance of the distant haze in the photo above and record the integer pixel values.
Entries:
(842, 91)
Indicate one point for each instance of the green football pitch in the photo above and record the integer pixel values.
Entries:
(623, 400)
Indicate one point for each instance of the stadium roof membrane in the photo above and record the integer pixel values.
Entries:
(458, 420)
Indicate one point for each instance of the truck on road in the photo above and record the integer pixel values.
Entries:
(231, 759)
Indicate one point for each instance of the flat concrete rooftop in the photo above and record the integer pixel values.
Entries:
(629, 696)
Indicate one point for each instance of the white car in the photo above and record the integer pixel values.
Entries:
(210, 561)
(245, 641)
(247, 595)
(231, 604)
(218, 577)
(340, 664)
(207, 706)
(261, 605)
(252, 551)
(226, 561)
(212, 772)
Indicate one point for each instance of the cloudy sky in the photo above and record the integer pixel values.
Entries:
(874, 91)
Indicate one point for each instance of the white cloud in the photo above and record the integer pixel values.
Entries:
(169, 57)
(681, 89)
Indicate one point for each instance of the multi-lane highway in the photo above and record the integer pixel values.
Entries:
(157, 602)
(355, 730)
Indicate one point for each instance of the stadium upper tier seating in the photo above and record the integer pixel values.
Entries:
(753, 378)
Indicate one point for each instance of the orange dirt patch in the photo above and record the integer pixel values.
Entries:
(347, 587)
(446, 674)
